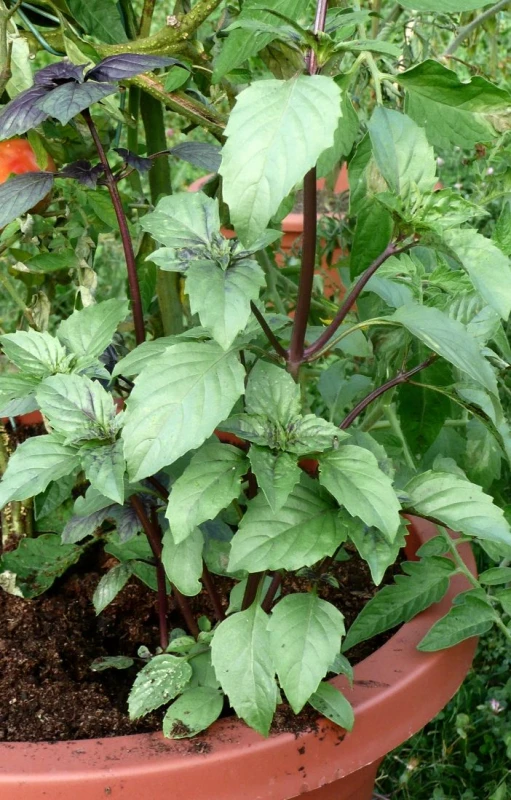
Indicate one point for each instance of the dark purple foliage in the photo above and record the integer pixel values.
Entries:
(61, 72)
(83, 172)
(132, 160)
(127, 65)
(22, 114)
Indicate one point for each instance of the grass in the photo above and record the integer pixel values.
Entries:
(465, 752)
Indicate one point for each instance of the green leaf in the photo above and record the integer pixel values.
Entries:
(332, 704)
(376, 549)
(489, 269)
(450, 339)
(110, 585)
(344, 138)
(21, 193)
(99, 18)
(111, 662)
(370, 45)
(184, 220)
(177, 402)
(275, 134)
(373, 231)
(157, 683)
(183, 562)
(176, 78)
(193, 712)
(38, 562)
(502, 231)
(425, 582)
(222, 297)
(35, 353)
(483, 457)
(272, 393)
(454, 112)
(67, 100)
(449, 7)
(356, 481)
(53, 496)
(422, 412)
(307, 528)
(33, 465)
(89, 332)
(77, 407)
(495, 576)
(305, 636)
(203, 673)
(504, 598)
(17, 388)
(312, 434)
(277, 474)
(208, 484)
(141, 356)
(471, 617)
(243, 44)
(241, 655)
(104, 467)
(402, 152)
(459, 504)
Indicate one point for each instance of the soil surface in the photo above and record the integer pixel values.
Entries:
(48, 691)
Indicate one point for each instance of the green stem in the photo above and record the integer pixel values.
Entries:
(5, 44)
(167, 287)
(146, 18)
(468, 29)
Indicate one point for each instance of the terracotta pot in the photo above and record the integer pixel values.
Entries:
(396, 691)
(292, 227)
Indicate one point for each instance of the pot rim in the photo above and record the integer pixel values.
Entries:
(390, 705)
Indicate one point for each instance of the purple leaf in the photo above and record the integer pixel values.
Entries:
(117, 68)
(83, 172)
(67, 100)
(61, 72)
(200, 154)
(22, 114)
(21, 193)
(137, 162)
(127, 522)
(79, 527)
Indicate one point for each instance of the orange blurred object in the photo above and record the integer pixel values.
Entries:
(17, 157)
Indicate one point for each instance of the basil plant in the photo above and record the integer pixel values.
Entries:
(278, 427)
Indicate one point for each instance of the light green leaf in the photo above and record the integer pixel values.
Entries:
(272, 393)
(203, 673)
(489, 269)
(424, 583)
(194, 711)
(110, 585)
(305, 636)
(33, 465)
(448, 338)
(376, 549)
(495, 576)
(16, 387)
(157, 683)
(307, 528)
(89, 332)
(208, 484)
(104, 467)
(332, 704)
(184, 220)
(241, 655)
(373, 232)
(344, 138)
(111, 662)
(177, 402)
(35, 353)
(459, 504)
(402, 152)
(471, 617)
(243, 44)
(38, 562)
(502, 232)
(222, 297)
(312, 434)
(276, 473)
(356, 481)
(183, 562)
(454, 112)
(21, 72)
(449, 7)
(142, 356)
(483, 457)
(77, 407)
(275, 134)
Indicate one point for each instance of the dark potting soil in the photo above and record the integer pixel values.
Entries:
(48, 691)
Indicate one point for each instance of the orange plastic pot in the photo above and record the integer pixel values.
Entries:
(292, 228)
(396, 691)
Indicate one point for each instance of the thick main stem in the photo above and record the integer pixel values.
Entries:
(154, 539)
(401, 377)
(296, 349)
(129, 254)
(390, 250)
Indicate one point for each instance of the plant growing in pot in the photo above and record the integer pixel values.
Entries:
(219, 472)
